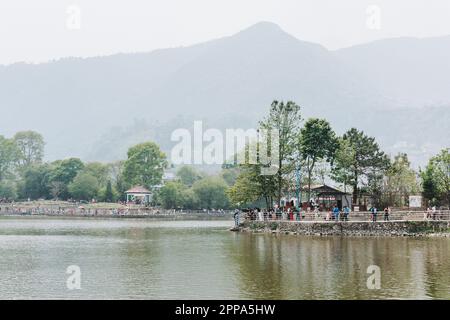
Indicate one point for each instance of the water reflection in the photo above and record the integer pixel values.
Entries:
(146, 259)
(291, 267)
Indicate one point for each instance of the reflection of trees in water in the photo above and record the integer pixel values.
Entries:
(436, 262)
(259, 266)
(291, 267)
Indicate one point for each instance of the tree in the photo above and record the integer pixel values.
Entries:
(109, 193)
(84, 186)
(8, 157)
(400, 182)
(429, 186)
(99, 170)
(8, 190)
(341, 169)
(211, 193)
(365, 158)
(63, 173)
(188, 175)
(317, 142)
(251, 186)
(145, 165)
(285, 118)
(436, 178)
(230, 174)
(171, 195)
(36, 181)
(30, 145)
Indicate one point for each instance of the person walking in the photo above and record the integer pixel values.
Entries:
(427, 214)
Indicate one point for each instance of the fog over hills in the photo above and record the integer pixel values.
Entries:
(397, 90)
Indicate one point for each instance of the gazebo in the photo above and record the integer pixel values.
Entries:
(138, 194)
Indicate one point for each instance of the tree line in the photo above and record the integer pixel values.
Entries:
(25, 176)
(353, 160)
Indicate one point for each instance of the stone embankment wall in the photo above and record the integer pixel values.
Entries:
(391, 228)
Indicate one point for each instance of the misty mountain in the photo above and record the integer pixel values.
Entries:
(95, 108)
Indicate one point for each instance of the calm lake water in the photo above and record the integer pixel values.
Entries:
(147, 259)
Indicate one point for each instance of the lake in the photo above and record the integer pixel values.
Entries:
(150, 259)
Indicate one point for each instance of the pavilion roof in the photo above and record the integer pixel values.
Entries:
(138, 189)
(327, 190)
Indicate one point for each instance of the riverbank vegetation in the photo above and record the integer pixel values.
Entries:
(310, 152)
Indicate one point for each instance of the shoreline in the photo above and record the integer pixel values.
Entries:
(399, 228)
(142, 217)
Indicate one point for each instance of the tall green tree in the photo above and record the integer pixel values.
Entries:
(109, 193)
(30, 145)
(63, 173)
(400, 182)
(341, 171)
(367, 158)
(8, 190)
(436, 178)
(36, 181)
(317, 142)
(145, 165)
(84, 186)
(285, 118)
(175, 194)
(251, 186)
(8, 157)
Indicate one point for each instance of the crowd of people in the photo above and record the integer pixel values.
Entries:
(336, 214)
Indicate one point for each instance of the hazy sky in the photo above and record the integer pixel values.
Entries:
(39, 30)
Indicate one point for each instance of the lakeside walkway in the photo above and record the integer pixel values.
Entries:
(363, 216)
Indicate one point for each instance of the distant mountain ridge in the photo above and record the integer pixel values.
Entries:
(75, 102)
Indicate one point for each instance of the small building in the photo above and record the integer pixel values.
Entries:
(327, 197)
(139, 195)
(323, 196)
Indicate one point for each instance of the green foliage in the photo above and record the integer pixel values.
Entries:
(36, 181)
(8, 157)
(211, 193)
(99, 170)
(30, 147)
(84, 187)
(8, 190)
(285, 118)
(365, 162)
(317, 142)
(436, 179)
(173, 195)
(188, 175)
(63, 173)
(230, 174)
(66, 170)
(251, 186)
(108, 195)
(400, 182)
(145, 165)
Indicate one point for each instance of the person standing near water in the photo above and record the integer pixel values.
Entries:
(374, 214)
(346, 213)
(236, 217)
(386, 213)
(336, 212)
